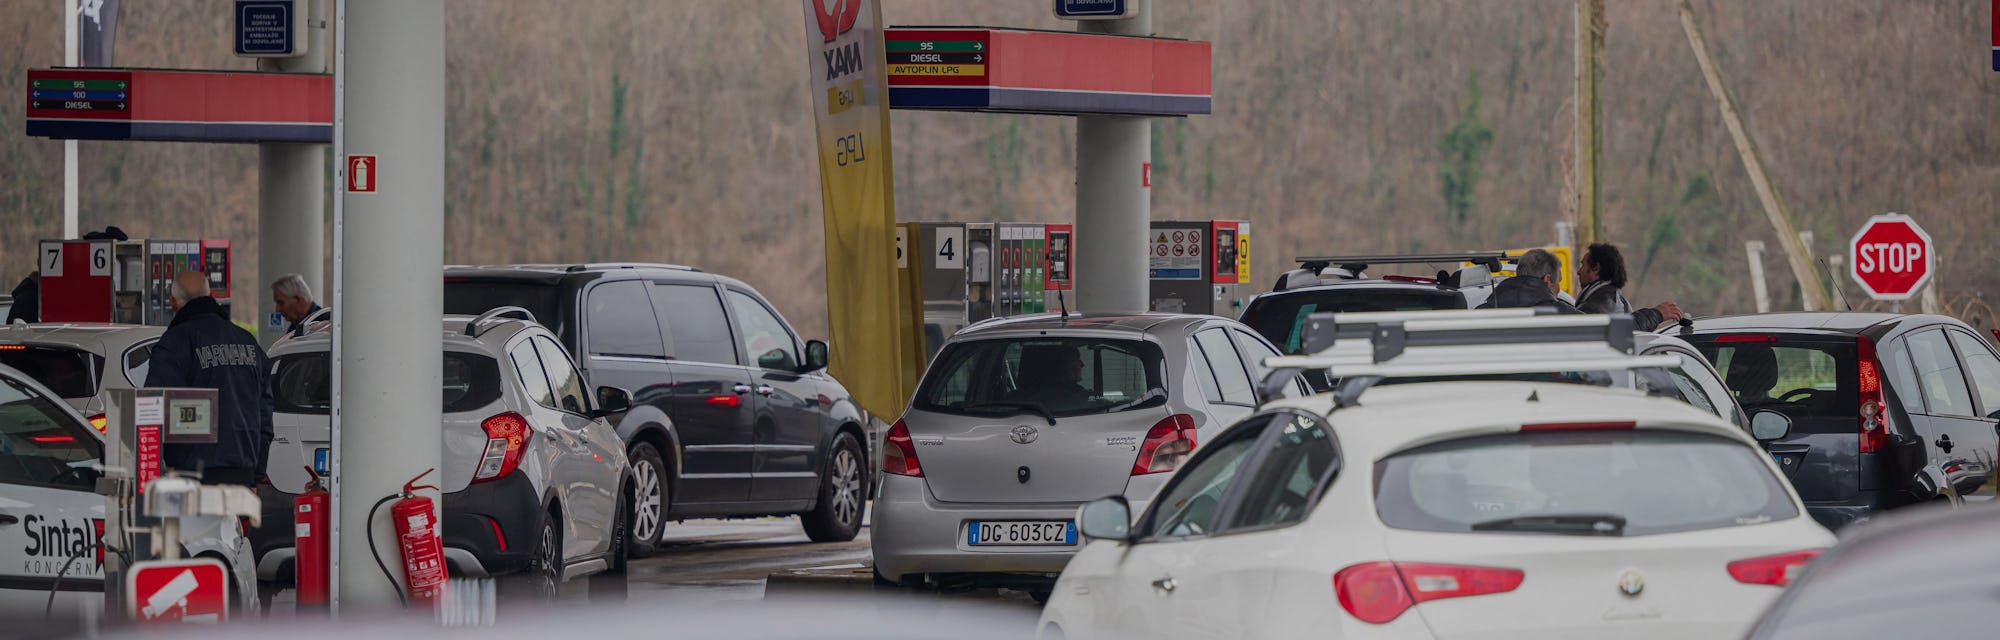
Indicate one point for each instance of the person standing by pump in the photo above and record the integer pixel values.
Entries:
(202, 348)
(1601, 272)
(293, 299)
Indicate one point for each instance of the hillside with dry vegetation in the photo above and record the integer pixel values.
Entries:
(679, 130)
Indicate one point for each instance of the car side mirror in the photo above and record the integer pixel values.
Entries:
(1106, 518)
(1767, 425)
(612, 400)
(817, 356)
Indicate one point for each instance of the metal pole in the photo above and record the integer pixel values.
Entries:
(291, 194)
(1756, 250)
(389, 103)
(1114, 207)
(1590, 27)
(71, 57)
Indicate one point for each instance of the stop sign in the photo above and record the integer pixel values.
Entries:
(1890, 257)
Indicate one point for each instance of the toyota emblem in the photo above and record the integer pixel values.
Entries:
(1631, 582)
(1024, 434)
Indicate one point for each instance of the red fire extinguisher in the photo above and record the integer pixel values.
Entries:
(423, 552)
(309, 540)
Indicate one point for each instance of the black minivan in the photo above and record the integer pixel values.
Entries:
(732, 413)
(1887, 410)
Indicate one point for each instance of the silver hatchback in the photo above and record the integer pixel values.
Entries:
(1019, 421)
(535, 483)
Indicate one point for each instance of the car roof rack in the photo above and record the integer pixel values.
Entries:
(1362, 349)
(476, 326)
(630, 265)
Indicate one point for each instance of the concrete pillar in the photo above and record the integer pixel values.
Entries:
(291, 195)
(1114, 207)
(387, 298)
(71, 56)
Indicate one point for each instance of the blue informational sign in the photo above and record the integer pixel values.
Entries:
(1091, 9)
(265, 27)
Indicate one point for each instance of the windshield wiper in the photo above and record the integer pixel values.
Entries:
(1019, 407)
(1581, 524)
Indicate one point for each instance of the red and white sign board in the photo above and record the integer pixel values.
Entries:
(361, 173)
(194, 590)
(1891, 257)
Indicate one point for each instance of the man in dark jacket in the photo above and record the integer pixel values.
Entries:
(27, 300)
(202, 348)
(1601, 273)
(1536, 280)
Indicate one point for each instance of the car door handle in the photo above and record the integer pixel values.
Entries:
(8, 518)
(1165, 585)
(1944, 443)
(763, 389)
(740, 389)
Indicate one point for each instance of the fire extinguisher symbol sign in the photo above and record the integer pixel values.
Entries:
(361, 172)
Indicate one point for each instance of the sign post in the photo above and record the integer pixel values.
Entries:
(1891, 257)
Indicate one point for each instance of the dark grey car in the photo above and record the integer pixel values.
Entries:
(732, 413)
(1887, 410)
(1923, 573)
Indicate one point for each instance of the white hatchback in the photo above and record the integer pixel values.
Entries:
(1509, 510)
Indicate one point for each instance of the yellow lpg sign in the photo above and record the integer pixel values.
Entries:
(872, 349)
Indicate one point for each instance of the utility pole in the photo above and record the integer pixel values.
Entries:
(387, 346)
(1814, 293)
(72, 56)
(1114, 205)
(1590, 28)
(291, 194)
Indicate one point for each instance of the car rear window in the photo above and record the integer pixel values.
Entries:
(41, 443)
(1591, 482)
(474, 296)
(1064, 376)
(303, 384)
(71, 373)
(1800, 376)
(1280, 317)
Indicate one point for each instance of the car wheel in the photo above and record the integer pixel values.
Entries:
(651, 498)
(538, 584)
(843, 492)
(609, 585)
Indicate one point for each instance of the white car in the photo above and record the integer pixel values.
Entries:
(1486, 509)
(51, 518)
(82, 361)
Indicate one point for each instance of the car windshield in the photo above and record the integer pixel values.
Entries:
(1054, 377)
(1279, 318)
(303, 384)
(1592, 482)
(71, 373)
(474, 296)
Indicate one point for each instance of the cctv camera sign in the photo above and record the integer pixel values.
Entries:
(195, 591)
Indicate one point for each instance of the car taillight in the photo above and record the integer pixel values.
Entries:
(1379, 592)
(1579, 426)
(900, 456)
(1778, 570)
(1874, 403)
(506, 437)
(1166, 445)
(97, 422)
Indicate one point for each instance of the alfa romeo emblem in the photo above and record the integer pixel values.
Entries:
(1631, 582)
(1024, 434)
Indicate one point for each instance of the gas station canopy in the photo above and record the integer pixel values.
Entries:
(181, 106)
(1045, 72)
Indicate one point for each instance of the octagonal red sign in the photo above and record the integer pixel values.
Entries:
(1890, 257)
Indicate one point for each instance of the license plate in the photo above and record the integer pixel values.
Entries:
(1044, 533)
(319, 461)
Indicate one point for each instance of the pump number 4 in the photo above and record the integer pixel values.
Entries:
(950, 250)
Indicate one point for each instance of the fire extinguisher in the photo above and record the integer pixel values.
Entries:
(309, 540)
(423, 552)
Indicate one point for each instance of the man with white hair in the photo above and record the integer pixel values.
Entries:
(294, 300)
(202, 348)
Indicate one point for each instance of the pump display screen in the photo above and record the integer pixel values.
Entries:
(190, 420)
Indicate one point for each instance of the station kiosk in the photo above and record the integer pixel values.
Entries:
(124, 281)
(1199, 267)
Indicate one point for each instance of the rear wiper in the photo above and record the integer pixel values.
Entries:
(1019, 407)
(1581, 524)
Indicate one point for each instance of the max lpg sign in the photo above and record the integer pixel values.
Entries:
(1891, 257)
